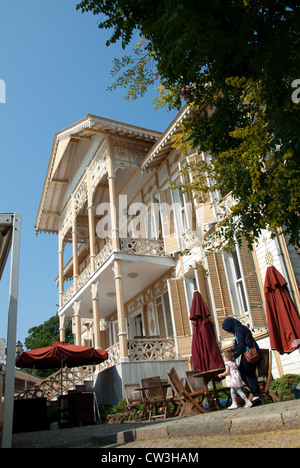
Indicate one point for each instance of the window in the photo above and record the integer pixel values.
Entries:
(114, 332)
(180, 209)
(188, 202)
(135, 326)
(237, 283)
(191, 286)
(164, 316)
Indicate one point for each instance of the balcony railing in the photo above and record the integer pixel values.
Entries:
(152, 349)
(128, 246)
(146, 349)
(143, 247)
(113, 357)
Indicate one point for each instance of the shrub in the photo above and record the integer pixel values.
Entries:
(284, 386)
(104, 410)
(119, 408)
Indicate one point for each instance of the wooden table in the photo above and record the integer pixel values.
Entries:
(165, 386)
(211, 376)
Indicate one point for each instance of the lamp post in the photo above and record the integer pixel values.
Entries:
(19, 348)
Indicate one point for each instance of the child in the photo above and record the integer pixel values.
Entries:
(234, 380)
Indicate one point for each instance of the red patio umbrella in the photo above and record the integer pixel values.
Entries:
(206, 354)
(283, 318)
(60, 354)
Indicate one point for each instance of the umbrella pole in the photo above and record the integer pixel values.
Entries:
(62, 361)
(61, 377)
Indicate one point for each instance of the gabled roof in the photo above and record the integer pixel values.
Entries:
(165, 143)
(91, 130)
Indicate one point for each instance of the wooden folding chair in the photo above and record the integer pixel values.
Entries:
(197, 384)
(132, 400)
(154, 395)
(189, 400)
(264, 375)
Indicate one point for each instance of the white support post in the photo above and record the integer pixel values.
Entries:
(11, 333)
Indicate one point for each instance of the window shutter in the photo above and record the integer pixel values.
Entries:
(168, 314)
(220, 290)
(205, 210)
(255, 302)
(160, 317)
(203, 286)
(180, 314)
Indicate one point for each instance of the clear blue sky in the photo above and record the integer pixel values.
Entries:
(56, 67)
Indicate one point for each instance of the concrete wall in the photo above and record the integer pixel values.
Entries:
(131, 372)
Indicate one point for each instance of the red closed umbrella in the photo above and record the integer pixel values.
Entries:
(283, 318)
(206, 354)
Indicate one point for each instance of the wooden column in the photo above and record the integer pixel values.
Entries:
(117, 267)
(96, 316)
(91, 223)
(112, 193)
(121, 309)
(94, 288)
(62, 329)
(76, 305)
(62, 332)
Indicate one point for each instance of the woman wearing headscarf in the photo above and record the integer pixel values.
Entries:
(243, 341)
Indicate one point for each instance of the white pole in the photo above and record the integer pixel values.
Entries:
(11, 333)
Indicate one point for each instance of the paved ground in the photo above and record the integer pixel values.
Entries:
(274, 439)
(222, 427)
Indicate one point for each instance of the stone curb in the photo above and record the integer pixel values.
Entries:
(238, 426)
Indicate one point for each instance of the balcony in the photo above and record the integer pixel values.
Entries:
(131, 250)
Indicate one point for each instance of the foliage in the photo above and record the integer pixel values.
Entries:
(44, 335)
(284, 386)
(235, 63)
(47, 333)
(104, 410)
(119, 408)
(137, 72)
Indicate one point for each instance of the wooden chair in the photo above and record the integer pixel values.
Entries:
(189, 400)
(264, 375)
(154, 395)
(195, 385)
(132, 401)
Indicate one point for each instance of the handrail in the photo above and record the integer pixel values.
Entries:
(50, 387)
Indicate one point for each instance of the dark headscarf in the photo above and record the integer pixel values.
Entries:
(230, 324)
(243, 336)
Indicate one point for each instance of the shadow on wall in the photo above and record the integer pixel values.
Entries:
(130, 372)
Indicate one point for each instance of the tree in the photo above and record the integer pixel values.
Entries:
(44, 335)
(236, 62)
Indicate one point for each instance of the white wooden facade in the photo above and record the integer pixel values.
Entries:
(122, 277)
